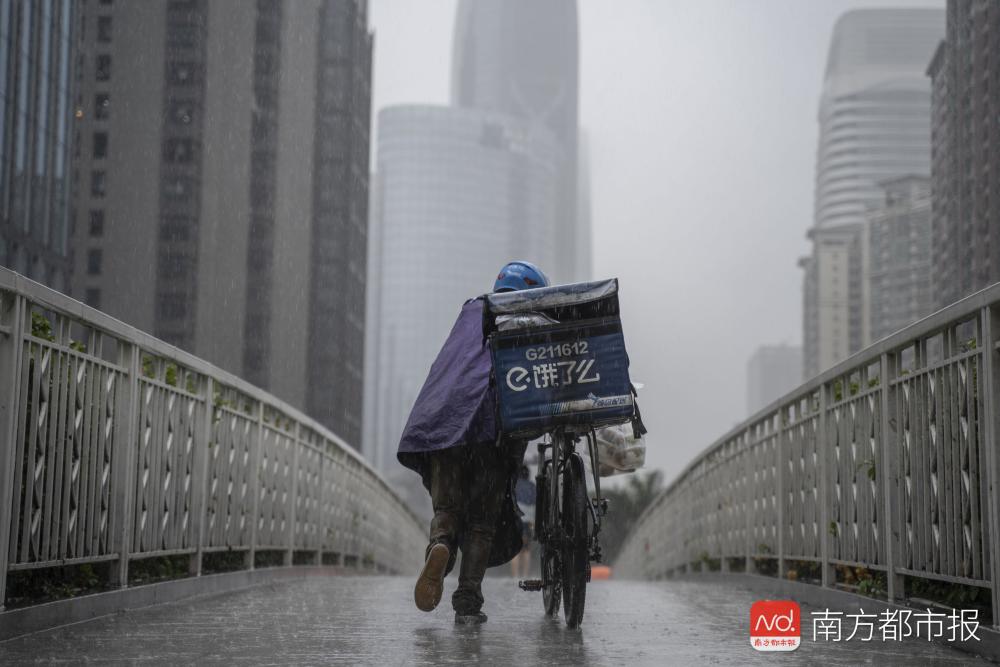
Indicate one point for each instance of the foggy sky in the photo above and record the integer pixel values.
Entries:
(701, 117)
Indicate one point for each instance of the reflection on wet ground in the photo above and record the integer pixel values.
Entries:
(372, 621)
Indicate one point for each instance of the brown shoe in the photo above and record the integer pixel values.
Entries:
(430, 583)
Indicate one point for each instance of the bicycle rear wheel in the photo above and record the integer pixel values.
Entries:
(575, 556)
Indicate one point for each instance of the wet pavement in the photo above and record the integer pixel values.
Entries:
(372, 621)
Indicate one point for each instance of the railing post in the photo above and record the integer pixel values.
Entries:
(321, 512)
(11, 358)
(290, 552)
(200, 482)
(780, 486)
(123, 476)
(889, 479)
(990, 323)
(751, 565)
(256, 445)
(828, 575)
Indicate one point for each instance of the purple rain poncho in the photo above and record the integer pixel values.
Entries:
(456, 407)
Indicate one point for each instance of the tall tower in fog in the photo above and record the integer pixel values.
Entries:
(223, 151)
(874, 113)
(965, 183)
(460, 192)
(874, 121)
(36, 114)
(520, 58)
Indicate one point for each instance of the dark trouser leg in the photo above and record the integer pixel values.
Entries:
(447, 499)
(486, 477)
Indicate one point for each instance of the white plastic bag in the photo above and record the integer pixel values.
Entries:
(619, 451)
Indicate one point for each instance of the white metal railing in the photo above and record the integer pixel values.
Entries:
(116, 446)
(888, 461)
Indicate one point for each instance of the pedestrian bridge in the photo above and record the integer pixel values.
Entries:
(871, 487)
(370, 620)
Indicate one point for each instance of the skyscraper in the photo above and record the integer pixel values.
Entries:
(899, 256)
(461, 192)
(584, 266)
(224, 150)
(36, 114)
(339, 243)
(520, 58)
(965, 186)
(874, 125)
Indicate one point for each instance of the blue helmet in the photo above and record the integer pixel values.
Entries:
(519, 275)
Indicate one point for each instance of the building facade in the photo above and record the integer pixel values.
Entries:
(37, 63)
(335, 380)
(520, 58)
(835, 298)
(584, 261)
(773, 371)
(965, 186)
(221, 147)
(460, 192)
(899, 256)
(874, 121)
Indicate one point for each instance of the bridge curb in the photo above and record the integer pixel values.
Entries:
(18, 622)
(839, 600)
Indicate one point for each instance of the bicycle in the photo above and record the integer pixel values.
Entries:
(567, 529)
(560, 369)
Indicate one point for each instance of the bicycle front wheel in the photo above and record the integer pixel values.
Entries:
(552, 581)
(575, 556)
(551, 562)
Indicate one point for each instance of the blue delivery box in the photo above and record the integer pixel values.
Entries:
(559, 358)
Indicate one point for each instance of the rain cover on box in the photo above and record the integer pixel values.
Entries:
(573, 371)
